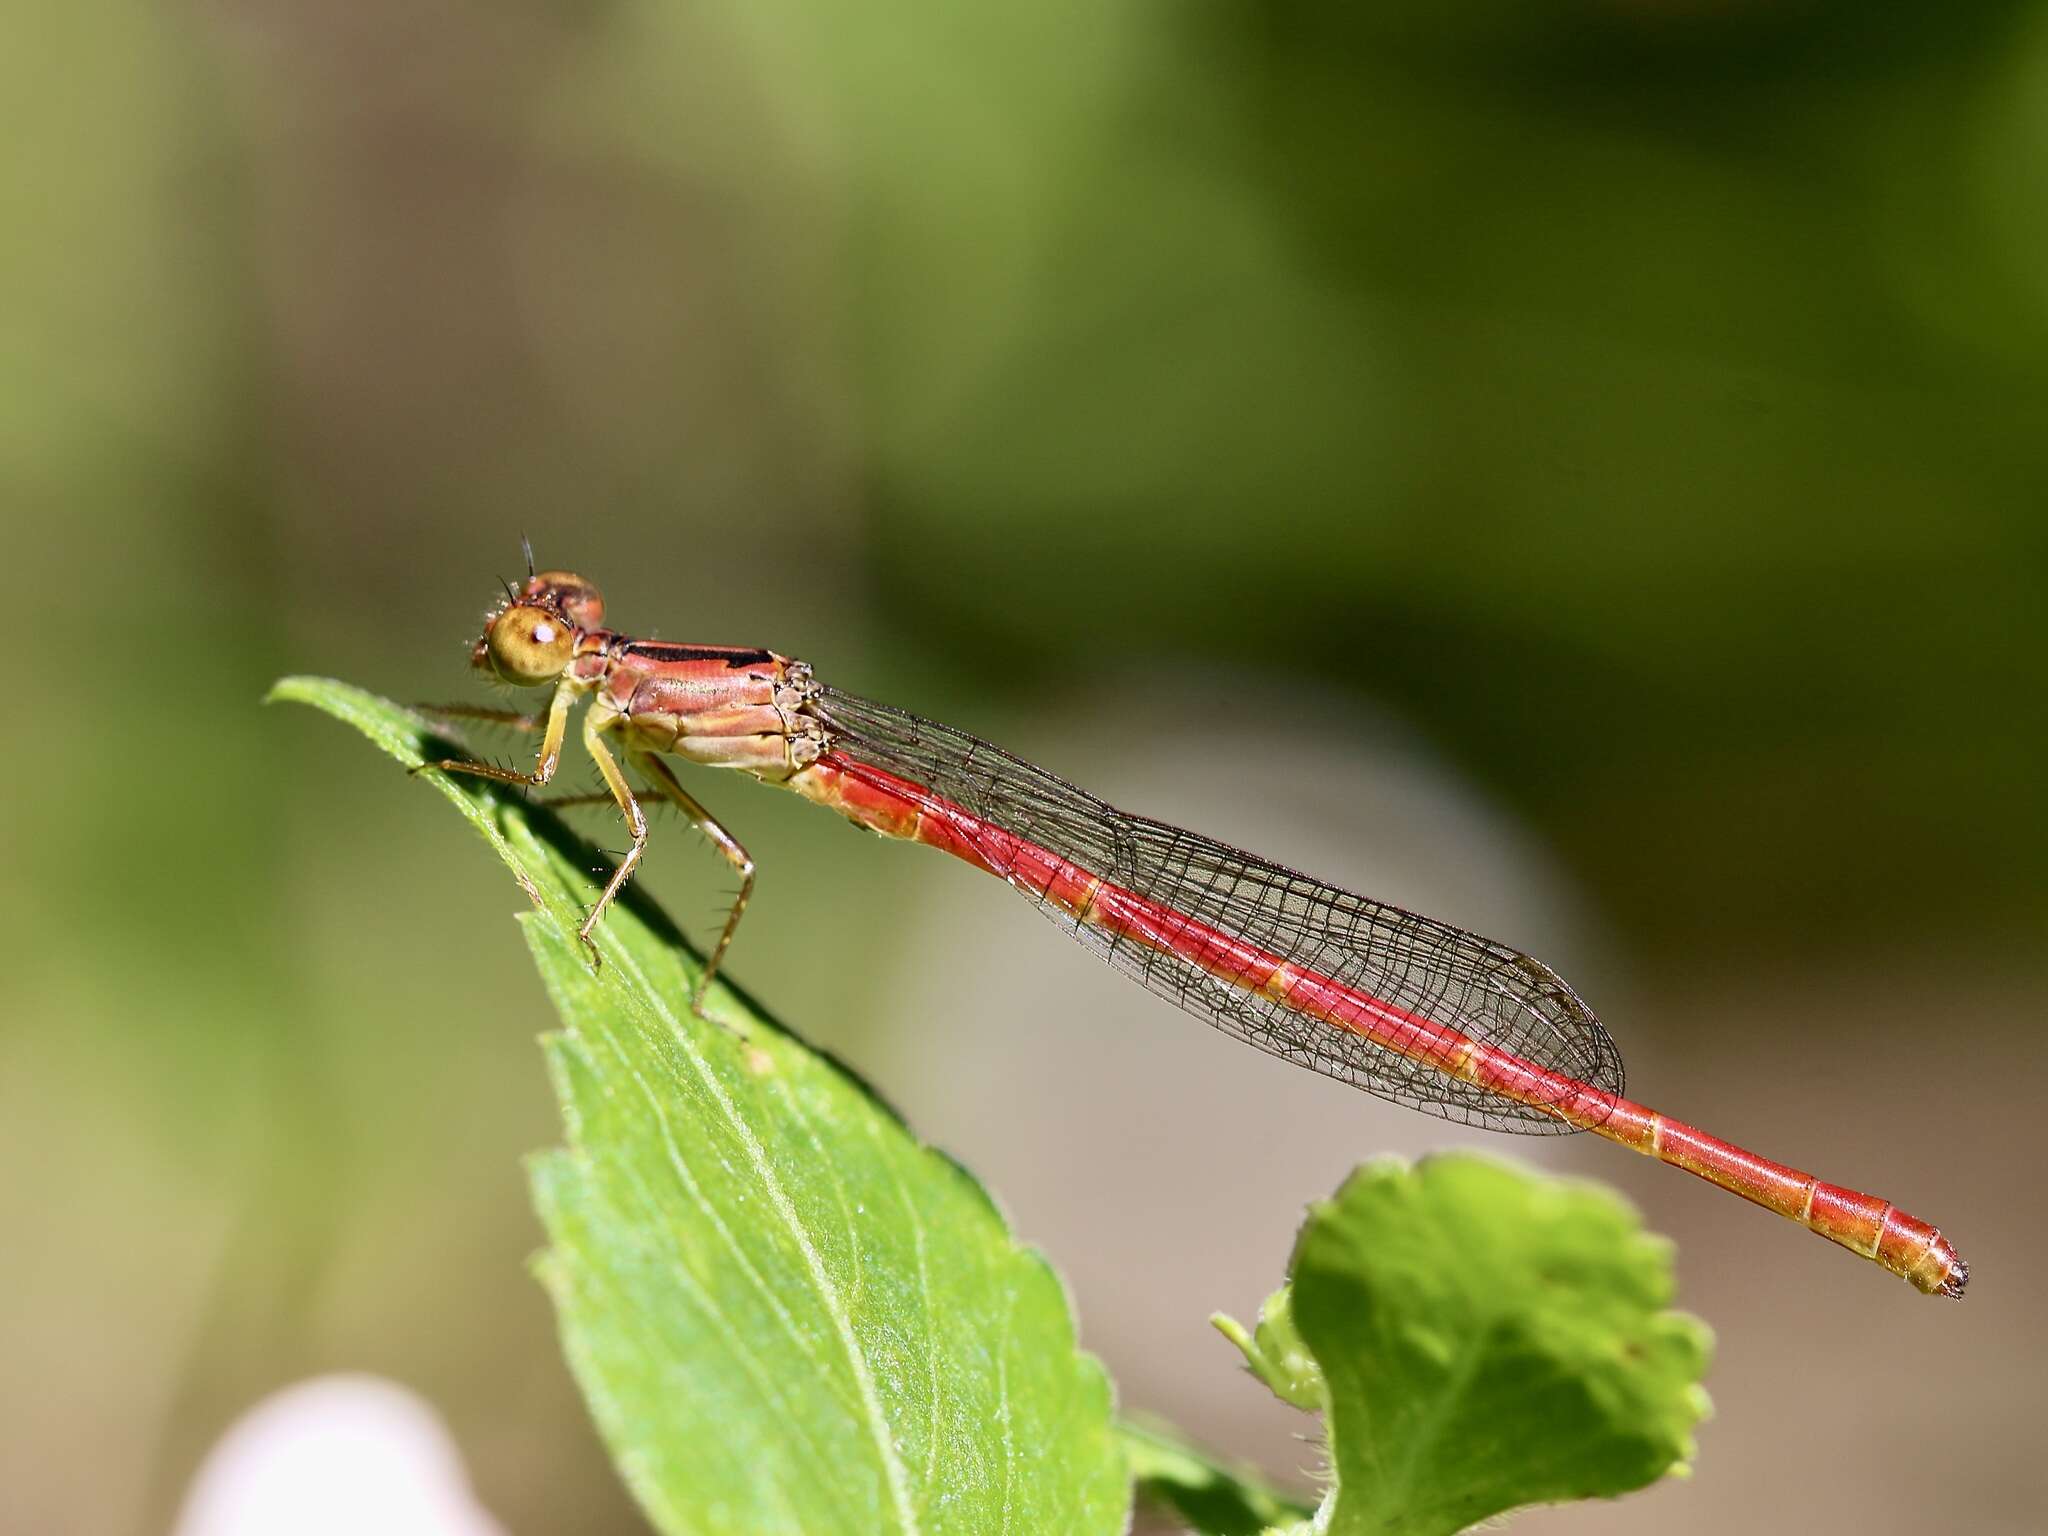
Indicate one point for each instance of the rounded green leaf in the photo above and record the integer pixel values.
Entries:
(1488, 1338)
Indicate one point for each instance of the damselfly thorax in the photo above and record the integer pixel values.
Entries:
(719, 706)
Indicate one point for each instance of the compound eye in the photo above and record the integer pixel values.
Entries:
(530, 646)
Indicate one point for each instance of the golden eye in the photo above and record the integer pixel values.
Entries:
(530, 646)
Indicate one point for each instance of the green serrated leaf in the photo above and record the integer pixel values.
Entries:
(785, 1314)
(1490, 1338)
(1275, 1353)
(1208, 1496)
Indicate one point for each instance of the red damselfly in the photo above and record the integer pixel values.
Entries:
(1400, 1005)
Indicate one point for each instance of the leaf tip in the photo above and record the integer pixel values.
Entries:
(1274, 1352)
(1234, 1331)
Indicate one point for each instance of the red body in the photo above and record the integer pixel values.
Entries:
(731, 707)
(1863, 1223)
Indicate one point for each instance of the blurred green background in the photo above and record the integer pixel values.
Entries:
(1619, 426)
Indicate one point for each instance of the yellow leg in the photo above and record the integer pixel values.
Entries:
(595, 723)
(550, 746)
(664, 778)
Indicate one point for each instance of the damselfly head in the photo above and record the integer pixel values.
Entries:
(530, 638)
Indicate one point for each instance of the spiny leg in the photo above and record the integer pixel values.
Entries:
(595, 723)
(664, 778)
(550, 745)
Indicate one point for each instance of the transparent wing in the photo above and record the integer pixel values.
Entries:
(1483, 989)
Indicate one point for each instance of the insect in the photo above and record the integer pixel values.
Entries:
(1392, 1002)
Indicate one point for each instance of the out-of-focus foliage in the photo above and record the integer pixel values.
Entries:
(1207, 1498)
(1645, 396)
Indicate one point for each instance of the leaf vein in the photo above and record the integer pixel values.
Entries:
(828, 1292)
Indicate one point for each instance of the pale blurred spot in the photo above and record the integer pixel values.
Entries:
(340, 1454)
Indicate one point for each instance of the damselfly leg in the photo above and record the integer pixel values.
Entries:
(735, 855)
(618, 792)
(553, 728)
